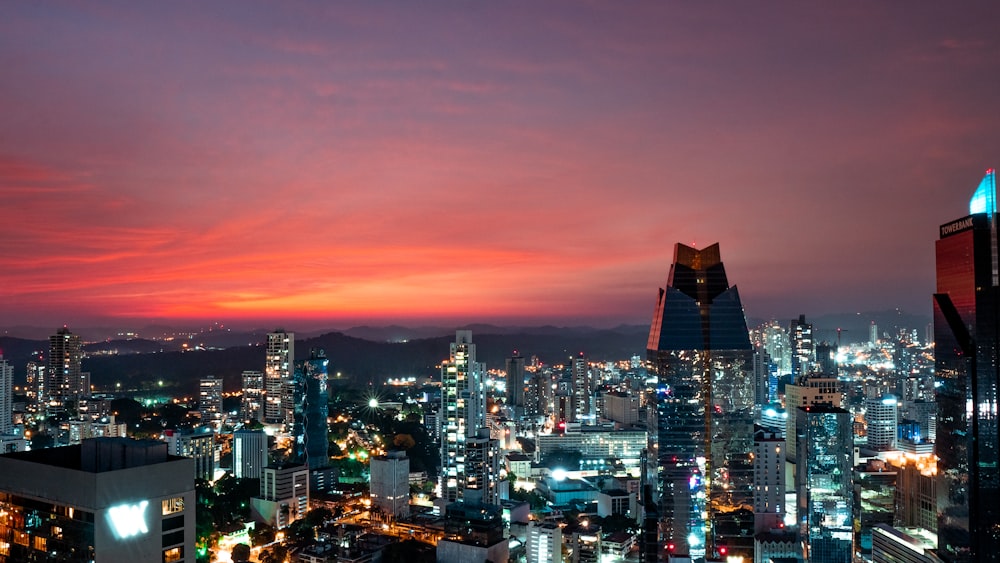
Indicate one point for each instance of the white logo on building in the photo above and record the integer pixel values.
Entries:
(128, 520)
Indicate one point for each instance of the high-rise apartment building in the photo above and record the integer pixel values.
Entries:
(280, 354)
(699, 348)
(210, 399)
(515, 385)
(966, 332)
(252, 403)
(882, 421)
(808, 391)
(198, 445)
(803, 347)
(544, 543)
(62, 378)
(310, 428)
(583, 389)
(825, 446)
(482, 469)
(6, 393)
(462, 413)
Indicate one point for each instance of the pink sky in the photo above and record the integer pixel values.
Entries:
(481, 162)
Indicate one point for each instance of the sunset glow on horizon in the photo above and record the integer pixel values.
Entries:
(512, 162)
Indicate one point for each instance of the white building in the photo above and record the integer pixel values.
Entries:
(882, 422)
(462, 413)
(210, 399)
(199, 446)
(544, 542)
(284, 495)
(249, 453)
(278, 360)
(390, 484)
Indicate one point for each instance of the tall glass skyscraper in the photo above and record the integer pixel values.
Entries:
(966, 344)
(824, 449)
(310, 427)
(700, 350)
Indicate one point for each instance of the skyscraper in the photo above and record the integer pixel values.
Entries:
(278, 376)
(249, 453)
(699, 348)
(210, 399)
(803, 348)
(390, 484)
(310, 428)
(515, 385)
(6, 401)
(823, 481)
(583, 389)
(966, 346)
(463, 411)
(252, 403)
(63, 373)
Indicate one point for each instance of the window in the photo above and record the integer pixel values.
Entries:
(173, 505)
(173, 554)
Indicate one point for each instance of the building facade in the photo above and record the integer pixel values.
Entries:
(249, 453)
(823, 482)
(62, 377)
(252, 402)
(699, 349)
(112, 500)
(280, 354)
(966, 332)
(390, 484)
(310, 426)
(462, 412)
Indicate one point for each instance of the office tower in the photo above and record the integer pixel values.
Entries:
(252, 403)
(823, 482)
(482, 469)
(544, 542)
(284, 495)
(210, 399)
(965, 342)
(768, 481)
(198, 445)
(826, 359)
(761, 376)
(809, 391)
(916, 490)
(583, 389)
(62, 378)
(112, 500)
(621, 408)
(463, 411)
(278, 376)
(515, 385)
(882, 421)
(778, 347)
(541, 400)
(249, 453)
(699, 348)
(803, 349)
(310, 428)
(6, 397)
(390, 484)
(873, 334)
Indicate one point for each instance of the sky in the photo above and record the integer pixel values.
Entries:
(504, 162)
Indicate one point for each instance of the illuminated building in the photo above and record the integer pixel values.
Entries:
(197, 445)
(596, 445)
(584, 542)
(881, 421)
(515, 385)
(280, 354)
(482, 469)
(62, 378)
(252, 402)
(916, 489)
(583, 390)
(249, 453)
(903, 545)
(284, 495)
(544, 543)
(6, 397)
(210, 399)
(966, 346)
(823, 482)
(699, 348)
(622, 408)
(112, 500)
(462, 413)
(803, 347)
(473, 532)
(874, 503)
(808, 391)
(390, 484)
(768, 481)
(310, 428)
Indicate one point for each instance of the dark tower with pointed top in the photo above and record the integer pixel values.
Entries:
(699, 348)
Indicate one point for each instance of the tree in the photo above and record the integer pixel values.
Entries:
(404, 441)
(240, 553)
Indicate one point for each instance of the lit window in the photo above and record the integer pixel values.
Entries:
(173, 505)
(173, 554)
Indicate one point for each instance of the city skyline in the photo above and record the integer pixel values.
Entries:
(507, 164)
